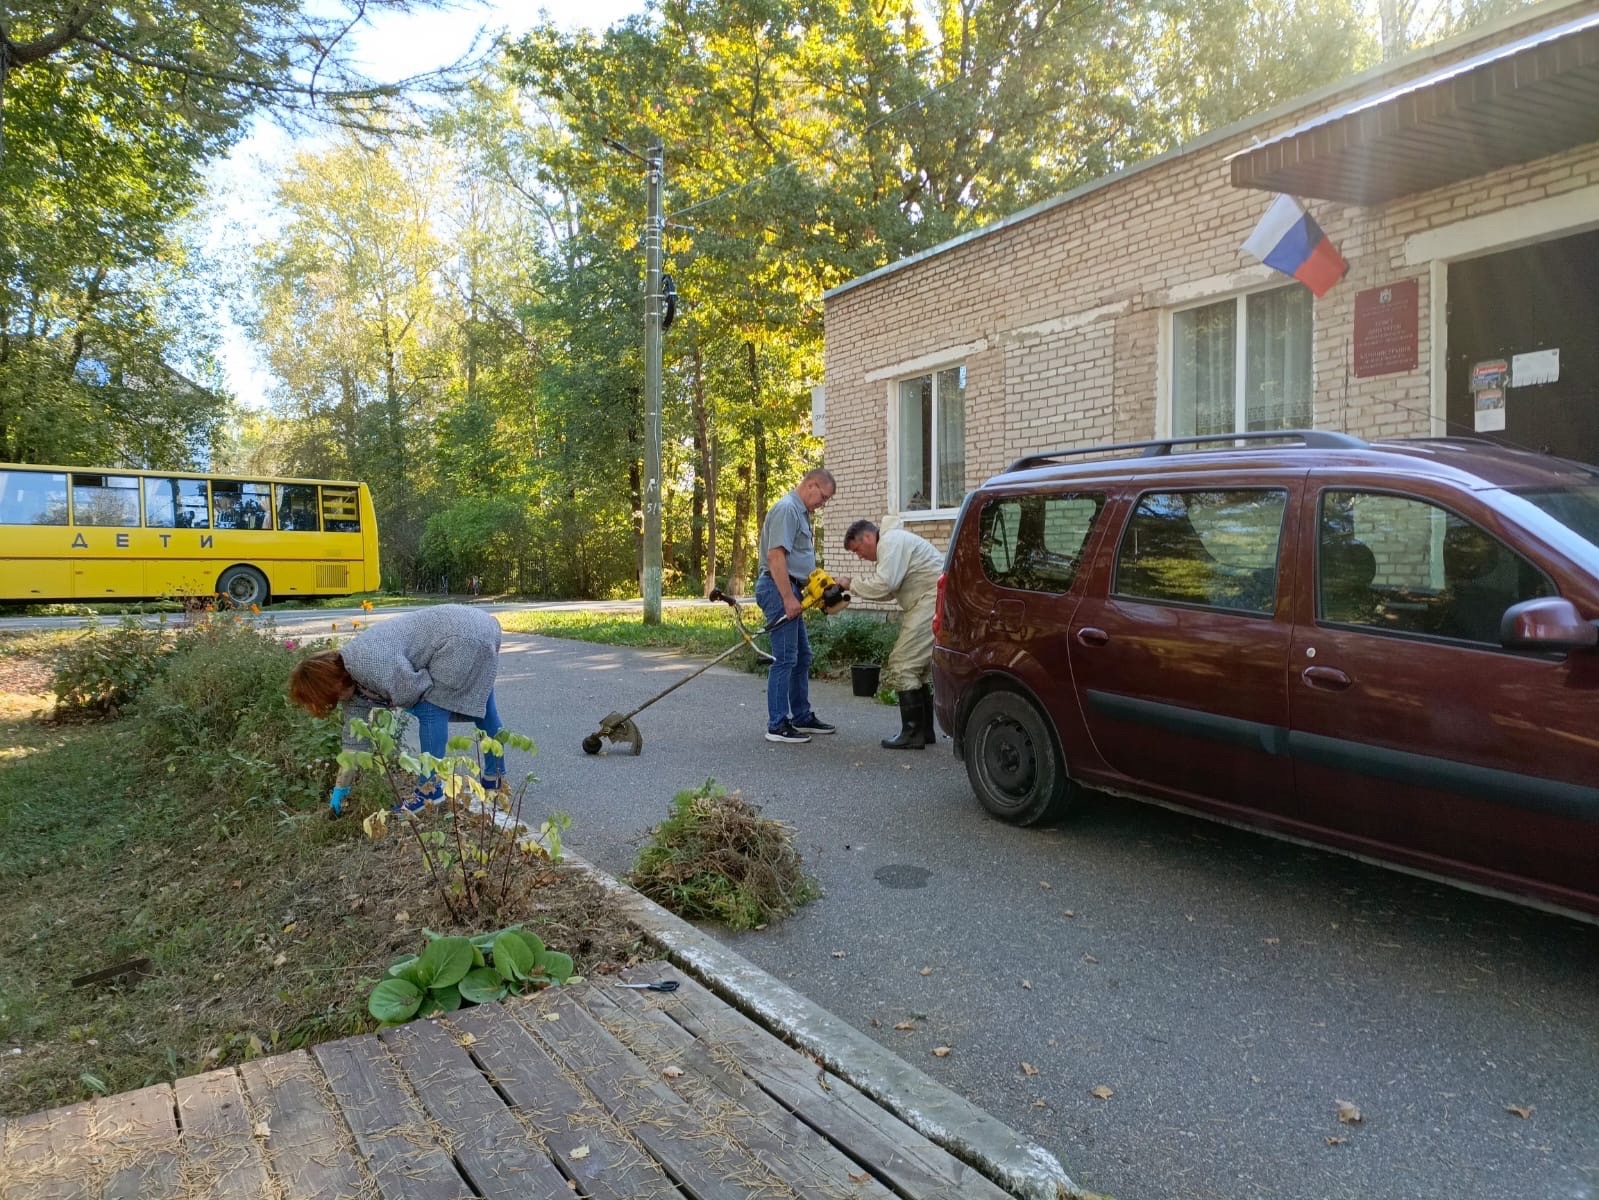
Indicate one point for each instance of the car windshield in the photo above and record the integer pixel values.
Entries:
(1575, 510)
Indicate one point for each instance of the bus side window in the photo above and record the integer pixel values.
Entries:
(297, 506)
(107, 500)
(341, 511)
(33, 498)
(175, 503)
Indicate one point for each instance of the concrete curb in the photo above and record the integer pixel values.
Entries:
(1024, 1168)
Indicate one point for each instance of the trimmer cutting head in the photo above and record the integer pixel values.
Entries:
(619, 729)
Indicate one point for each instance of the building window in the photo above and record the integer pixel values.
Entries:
(932, 440)
(1267, 334)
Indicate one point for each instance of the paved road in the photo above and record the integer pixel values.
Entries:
(1229, 990)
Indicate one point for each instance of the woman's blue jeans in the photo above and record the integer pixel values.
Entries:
(788, 681)
(433, 734)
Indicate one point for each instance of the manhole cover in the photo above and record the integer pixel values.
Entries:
(902, 875)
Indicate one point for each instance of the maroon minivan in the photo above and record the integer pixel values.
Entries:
(1386, 648)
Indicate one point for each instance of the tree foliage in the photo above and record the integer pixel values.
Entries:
(806, 142)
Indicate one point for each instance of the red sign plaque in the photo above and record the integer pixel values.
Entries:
(1386, 322)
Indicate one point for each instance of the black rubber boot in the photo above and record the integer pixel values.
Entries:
(910, 735)
(929, 722)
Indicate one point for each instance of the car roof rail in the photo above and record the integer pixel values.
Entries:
(1310, 439)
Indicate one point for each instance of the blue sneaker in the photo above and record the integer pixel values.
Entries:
(414, 805)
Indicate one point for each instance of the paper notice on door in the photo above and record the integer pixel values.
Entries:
(1490, 408)
(1541, 366)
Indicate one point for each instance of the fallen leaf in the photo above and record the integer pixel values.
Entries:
(280, 960)
(1028, 984)
(906, 1025)
(841, 954)
(467, 1039)
(1272, 941)
(262, 1130)
(237, 883)
(1029, 1069)
(927, 970)
(1348, 1113)
(940, 1051)
(1048, 887)
(1039, 1104)
(1522, 1111)
(1190, 917)
(402, 918)
(863, 1177)
(672, 1072)
(1090, 958)
(552, 1016)
(1101, 1092)
(1066, 912)
(580, 1152)
(253, 1045)
(1337, 1141)
(289, 928)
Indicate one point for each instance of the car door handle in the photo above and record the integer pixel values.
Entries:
(1089, 636)
(1330, 678)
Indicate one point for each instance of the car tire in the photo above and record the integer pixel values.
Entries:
(241, 587)
(1012, 762)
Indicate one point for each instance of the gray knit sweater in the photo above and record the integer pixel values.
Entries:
(446, 655)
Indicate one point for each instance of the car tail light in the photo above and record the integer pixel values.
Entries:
(938, 605)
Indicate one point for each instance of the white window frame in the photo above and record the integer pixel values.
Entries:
(1167, 420)
(932, 370)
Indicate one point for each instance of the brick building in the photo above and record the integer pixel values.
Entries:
(1460, 184)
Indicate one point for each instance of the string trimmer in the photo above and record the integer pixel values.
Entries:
(821, 591)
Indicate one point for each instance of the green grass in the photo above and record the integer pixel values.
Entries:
(837, 642)
(706, 630)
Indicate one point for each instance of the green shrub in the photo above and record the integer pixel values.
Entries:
(218, 720)
(103, 669)
(715, 857)
(838, 643)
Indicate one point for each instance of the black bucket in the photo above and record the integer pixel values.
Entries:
(863, 678)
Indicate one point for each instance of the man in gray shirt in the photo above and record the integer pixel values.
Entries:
(788, 556)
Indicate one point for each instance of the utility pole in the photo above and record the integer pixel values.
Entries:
(653, 233)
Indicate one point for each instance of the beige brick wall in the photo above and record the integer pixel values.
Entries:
(1068, 308)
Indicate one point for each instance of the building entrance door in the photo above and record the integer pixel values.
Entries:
(1539, 297)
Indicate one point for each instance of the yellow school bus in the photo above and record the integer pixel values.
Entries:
(104, 533)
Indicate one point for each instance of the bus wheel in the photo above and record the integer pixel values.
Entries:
(242, 587)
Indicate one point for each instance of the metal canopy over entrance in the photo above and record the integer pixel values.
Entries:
(1518, 102)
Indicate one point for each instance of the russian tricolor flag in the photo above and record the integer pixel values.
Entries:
(1289, 240)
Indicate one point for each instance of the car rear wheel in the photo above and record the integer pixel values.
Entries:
(243, 586)
(1012, 761)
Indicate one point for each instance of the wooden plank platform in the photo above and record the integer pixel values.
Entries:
(591, 1091)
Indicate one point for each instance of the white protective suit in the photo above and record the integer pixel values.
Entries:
(907, 571)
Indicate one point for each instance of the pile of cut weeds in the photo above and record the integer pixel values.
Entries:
(716, 858)
(261, 929)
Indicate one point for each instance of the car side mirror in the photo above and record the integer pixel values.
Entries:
(1548, 623)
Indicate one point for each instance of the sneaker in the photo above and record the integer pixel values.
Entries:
(414, 805)
(814, 724)
(786, 733)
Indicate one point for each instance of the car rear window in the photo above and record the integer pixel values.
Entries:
(1215, 548)
(1034, 543)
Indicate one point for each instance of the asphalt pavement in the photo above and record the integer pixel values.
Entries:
(1173, 1008)
(1228, 991)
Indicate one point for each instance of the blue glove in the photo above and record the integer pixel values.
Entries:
(336, 801)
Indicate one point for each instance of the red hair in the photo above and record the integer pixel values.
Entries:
(319, 681)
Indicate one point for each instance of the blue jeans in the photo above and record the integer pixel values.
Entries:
(788, 682)
(433, 733)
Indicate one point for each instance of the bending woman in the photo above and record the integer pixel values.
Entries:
(437, 663)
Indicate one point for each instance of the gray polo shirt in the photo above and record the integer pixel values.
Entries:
(788, 525)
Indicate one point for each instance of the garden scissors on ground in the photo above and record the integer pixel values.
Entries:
(665, 985)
